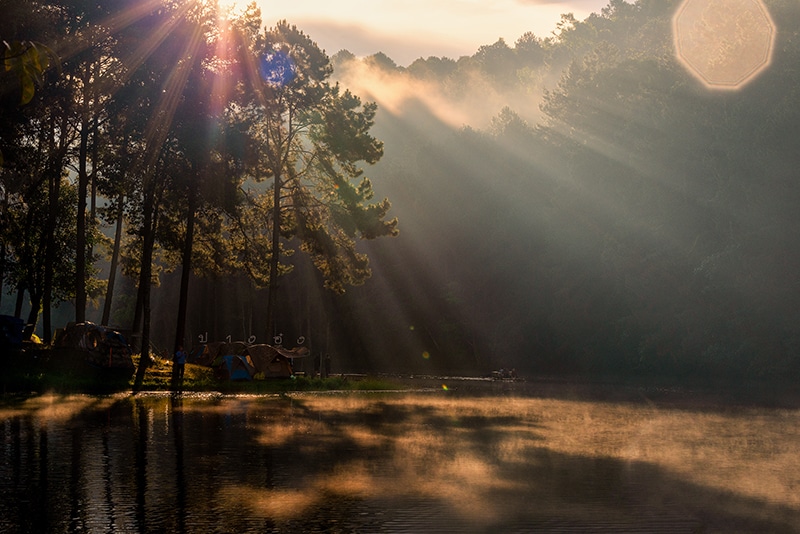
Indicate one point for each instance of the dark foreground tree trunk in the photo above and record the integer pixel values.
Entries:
(145, 278)
(80, 249)
(20, 301)
(112, 275)
(49, 251)
(186, 269)
(272, 292)
(33, 315)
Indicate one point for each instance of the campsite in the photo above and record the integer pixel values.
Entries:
(240, 361)
(99, 352)
(88, 358)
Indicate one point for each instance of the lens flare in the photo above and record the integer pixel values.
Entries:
(277, 68)
(725, 43)
(426, 355)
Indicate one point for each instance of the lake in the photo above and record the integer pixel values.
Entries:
(504, 459)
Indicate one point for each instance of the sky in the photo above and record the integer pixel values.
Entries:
(406, 30)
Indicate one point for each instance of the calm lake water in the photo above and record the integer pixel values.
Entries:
(430, 461)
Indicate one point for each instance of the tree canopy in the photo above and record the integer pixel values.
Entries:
(172, 121)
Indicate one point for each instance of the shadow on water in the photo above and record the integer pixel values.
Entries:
(353, 463)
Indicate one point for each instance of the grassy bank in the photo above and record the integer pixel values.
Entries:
(46, 370)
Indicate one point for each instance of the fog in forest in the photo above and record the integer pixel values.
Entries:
(580, 203)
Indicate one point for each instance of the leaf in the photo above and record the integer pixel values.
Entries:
(29, 60)
(44, 57)
(9, 54)
(28, 89)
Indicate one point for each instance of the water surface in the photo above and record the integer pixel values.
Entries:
(394, 462)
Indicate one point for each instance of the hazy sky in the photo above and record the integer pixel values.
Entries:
(408, 29)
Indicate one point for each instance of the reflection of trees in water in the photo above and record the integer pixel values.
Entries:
(176, 405)
(140, 463)
(367, 463)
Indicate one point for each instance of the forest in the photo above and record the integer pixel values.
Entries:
(579, 203)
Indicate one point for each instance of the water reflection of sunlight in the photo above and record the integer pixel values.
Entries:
(458, 451)
(274, 504)
(52, 408)
(428, 461)
(491, 462)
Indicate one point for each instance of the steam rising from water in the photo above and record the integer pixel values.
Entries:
(399, 462)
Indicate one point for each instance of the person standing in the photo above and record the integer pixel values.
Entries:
(179, 363)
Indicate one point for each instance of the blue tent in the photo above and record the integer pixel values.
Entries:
(234, 367)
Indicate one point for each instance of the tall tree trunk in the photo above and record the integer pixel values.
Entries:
(272, 293)
(112, 275)
(47, 325)
(2, 268)
(80, 247)
(33, 315)
(54, 191)
(93, 194)
(145, 280)
(53, 205)
(20, 301)
(136, 326)
(3, 212)
(186, 267)
(90, 75)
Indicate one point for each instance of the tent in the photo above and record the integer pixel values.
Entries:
(275, 362)
(229, 359)
(102, 347)
(207, 353)
(234, 367)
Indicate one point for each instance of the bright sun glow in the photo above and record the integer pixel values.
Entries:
(232, 7)
(408, 30)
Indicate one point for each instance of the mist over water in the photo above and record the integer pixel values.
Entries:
(392, 462)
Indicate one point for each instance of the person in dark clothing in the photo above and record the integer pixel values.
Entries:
(179, 364)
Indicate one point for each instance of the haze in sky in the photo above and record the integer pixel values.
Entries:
(409, 29)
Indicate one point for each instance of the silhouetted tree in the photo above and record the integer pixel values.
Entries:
(310, 136)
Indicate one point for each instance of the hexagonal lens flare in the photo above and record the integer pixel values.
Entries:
(724, 43)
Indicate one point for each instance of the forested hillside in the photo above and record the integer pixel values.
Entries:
(572, 203)
(641, 224)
